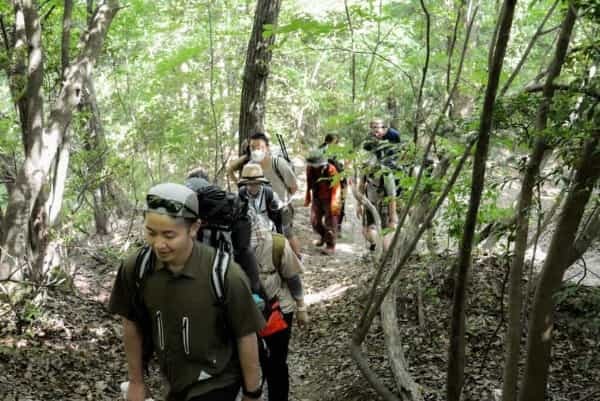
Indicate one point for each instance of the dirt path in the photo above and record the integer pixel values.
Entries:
(319, 361)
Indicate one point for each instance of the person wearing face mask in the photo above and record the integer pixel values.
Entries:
(254, 188)
(283, 181)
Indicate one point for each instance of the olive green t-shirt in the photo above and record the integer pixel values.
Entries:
(194, 338)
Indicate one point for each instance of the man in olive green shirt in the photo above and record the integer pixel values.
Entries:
(207, 350)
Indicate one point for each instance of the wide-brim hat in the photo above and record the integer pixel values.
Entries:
(316, 158)
(252, 173)
(173, 200)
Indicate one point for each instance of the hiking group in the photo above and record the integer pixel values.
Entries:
(213, 292)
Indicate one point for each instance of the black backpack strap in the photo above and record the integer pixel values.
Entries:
(144, 264)
(219, 270)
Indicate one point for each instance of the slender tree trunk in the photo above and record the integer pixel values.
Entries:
(456, 351)
(96, 145)
(418, 117)
(256, 71)
(513, 335)
(42, 141)
(352, 50)
(60, 166)
(560, 254)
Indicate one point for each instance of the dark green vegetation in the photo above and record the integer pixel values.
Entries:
(99, 100)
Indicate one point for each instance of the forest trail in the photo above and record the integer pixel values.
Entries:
(71, 347)
(320, 364)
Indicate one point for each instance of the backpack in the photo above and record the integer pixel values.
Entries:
(273, 214)
(277, 251)
(219, 208)
(275, 160)
(144, 265)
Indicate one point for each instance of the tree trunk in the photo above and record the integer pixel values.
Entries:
(560, 255)
(42, 141)
(513, 335)
(456, 351)
(256, 71)
(96, 144)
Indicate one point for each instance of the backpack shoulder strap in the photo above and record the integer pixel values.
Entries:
(275, 166)
(219, 270)
(278, 247)
(144, 264)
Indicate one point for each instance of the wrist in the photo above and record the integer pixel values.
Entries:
(255, 394)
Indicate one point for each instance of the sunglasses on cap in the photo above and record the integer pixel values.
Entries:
(171, 206)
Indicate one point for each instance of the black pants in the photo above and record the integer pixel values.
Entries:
(275, 366)
(223, 394)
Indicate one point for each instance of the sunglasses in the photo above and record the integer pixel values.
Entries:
(171, 206)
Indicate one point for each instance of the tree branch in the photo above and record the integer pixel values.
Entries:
(564, 87)
(417, 117)
(525, 55)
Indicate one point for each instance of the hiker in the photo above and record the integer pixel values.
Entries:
(283, 181)
(224, 217)
(334, 139)
(380, 131)
(378, 183)
(280, 271)
(325, 193)
(379, 188)
(254, 188)
(175, 301)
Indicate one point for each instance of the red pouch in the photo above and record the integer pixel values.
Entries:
(275, 322)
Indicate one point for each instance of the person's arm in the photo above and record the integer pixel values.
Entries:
(132, 339)
(249, 362)
(234, 166)
(309, 184)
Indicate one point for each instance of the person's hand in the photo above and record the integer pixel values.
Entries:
(302, 317)
(136, 391)
(307, 203)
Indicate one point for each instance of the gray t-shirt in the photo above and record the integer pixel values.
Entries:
(285, 170)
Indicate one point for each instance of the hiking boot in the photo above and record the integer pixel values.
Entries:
(328, 251)
(318, 242)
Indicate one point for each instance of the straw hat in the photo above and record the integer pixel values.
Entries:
(252, 173)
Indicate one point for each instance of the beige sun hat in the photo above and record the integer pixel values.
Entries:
(252, 173)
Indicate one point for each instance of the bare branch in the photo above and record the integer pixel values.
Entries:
(539, 32)
(417, 117)
(563, 87)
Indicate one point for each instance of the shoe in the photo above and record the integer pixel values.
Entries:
(328, 251)
(318, 242)
(372, 247)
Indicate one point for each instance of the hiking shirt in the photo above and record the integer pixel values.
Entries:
(194, 337)
(320, 187)
(280, 187)
(268, 210)
(392, 135)
(274, 278)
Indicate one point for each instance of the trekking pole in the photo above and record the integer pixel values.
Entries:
(284, 151)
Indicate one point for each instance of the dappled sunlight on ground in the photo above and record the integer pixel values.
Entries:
(329, 293)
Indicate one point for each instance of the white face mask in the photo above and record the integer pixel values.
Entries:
(257, 155)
